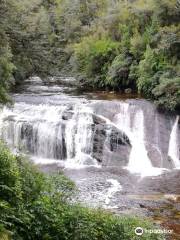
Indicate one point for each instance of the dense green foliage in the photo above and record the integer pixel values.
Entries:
(92, 57)
(146, 58)
(37, 206)
(108, 44)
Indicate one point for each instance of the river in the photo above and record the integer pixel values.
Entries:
(123, 154)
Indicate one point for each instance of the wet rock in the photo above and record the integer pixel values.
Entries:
(62, 80)
(98, 120)
(142, 205)
(26, 136)
(110, 145)
(9, 118)
(67, 115)
(117, 138)
(128, 90)
(60, 144)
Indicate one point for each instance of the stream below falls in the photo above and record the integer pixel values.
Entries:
(122, 153)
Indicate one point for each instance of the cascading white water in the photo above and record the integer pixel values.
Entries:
(115, 187)
(64, 129)
(174, 145)
(84, 136)
(32, 128)
(139, 160)
(131, 121)
(41, 131)
(70, 137)
(79, 138)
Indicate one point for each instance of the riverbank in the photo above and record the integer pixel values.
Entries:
(155, 198)
(34, 205)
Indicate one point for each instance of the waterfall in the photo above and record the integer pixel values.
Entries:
(174, 145)
(131, 120)
(138, 161)
(50, 132)
(79, 138)
(81, 134)
(33, 129)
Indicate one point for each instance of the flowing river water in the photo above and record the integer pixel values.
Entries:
(123, 154)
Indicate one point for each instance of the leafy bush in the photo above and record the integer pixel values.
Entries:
(23, 189)
(93, 57)
(139, 41)
(138, 45)
(6, 67)
(10, 185)
(167, 11)
(159, 80)
(118, 73)
(148, 71)
(169, 41)
(167, 92)
(36, 206)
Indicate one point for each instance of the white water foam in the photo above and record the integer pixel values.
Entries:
(116, 187)
(133, 126)
(174, 145)
(67, 163)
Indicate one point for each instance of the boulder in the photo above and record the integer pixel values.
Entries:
(67, 115)
(128, 90)
(110, 145)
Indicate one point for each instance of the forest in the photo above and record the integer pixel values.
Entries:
(106, 44)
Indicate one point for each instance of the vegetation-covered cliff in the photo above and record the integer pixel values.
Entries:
(108, 44)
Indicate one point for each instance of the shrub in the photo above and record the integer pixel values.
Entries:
(93, 57)
(6, 67)
(10, 185)
(137, 45)
(167, 92)
(139, 41)
(159, 80)
(118, 72)
(149, 69)
(166, 11)
(169, 41)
